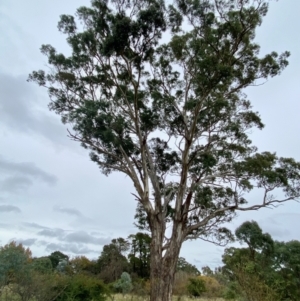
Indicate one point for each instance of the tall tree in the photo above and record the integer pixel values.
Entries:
(58, 257)
(287, 266)
(81, 264)
(184, 266)
(266, 268)
(252, 267)
(155, 91)
(112, 261)
(14, 263)
(139, 256)
(16, 270)
(42, 265)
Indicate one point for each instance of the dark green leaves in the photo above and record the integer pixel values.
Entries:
(67, 24)
(163, 103)
(265, 269)
(251, 234)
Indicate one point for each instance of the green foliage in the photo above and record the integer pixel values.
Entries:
(57, 257)
(81, 264)
(42, 265)
(165, 105)
(139, 256)
(14, 263)
(124, 284)
(196, 287)
(121, 111)
(184, 266)
(111, 263)
(264, 270)
(84, 288)
(287, 264)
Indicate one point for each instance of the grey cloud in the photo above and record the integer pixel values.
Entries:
(82, 221)
(51, 232)
(77, 249)
(27, 242)
(34, 225)
(20, 110)
(279, 232)
(20, 176)
(9, 208)
(280, 225)
(15, 184)
(78, 237)
(26, 169)
(15, 103)
(84, 237)
(55, 247)
(70, 211)
(275, 230)
(217, 261)
(96, 233)
(5, 226)
(41, 243)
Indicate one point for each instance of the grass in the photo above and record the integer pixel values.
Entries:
(7, 295)
(120, 297)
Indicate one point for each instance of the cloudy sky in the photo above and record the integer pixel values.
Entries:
(52, 197)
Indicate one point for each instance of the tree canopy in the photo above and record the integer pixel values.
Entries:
(155, 90)
(266, 269)
(171, 114)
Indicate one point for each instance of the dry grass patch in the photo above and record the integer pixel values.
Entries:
(120, 297)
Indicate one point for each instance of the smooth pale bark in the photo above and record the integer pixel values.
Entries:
(163, 263)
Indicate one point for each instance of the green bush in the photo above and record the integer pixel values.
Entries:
(124, 284)
(196, 287)
(84, 288)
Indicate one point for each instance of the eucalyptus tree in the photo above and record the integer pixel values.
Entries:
(112, 261)
(139, 256)
(155, 90)
(265, 269)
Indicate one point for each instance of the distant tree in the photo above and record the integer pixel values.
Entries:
(18, 271)
(14, 262)
(258, 242)
(181, 282)
(213, 289)
(57, 257)
(112, 261)
(164, 103)
(207, 271)
(184, 272)
(139, 256)
(124, 284)
(81, 264)
(252, 268)
(287, 265)
(50, 286)
(196, 287)
(184, 266)
(83, 288)
(42, 265)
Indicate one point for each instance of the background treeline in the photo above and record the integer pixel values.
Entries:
(263, 270)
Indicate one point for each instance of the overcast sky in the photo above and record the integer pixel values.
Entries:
(52, 197)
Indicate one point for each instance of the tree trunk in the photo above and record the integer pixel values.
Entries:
(163, 266)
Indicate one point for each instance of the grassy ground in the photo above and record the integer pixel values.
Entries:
(119, 297)
(8, 296)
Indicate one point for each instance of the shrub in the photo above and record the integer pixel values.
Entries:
(124, 284)
(84, 288)
(196, 287)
